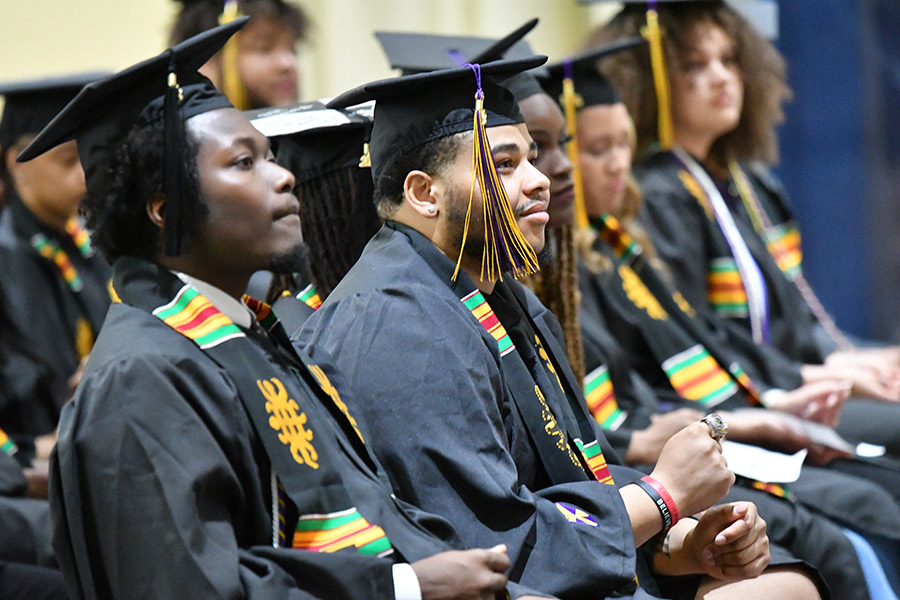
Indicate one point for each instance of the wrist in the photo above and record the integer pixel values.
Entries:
(665, 503)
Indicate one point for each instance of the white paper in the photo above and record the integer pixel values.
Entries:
(826, 436)
(763, 465)
(869, 450)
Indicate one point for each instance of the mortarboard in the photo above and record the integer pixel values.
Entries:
(422, 52)
(416, 109)
(167, 87)
(312, 139)
(575, 82)
(30, 105)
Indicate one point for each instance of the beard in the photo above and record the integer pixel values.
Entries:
(294, 261)
(456, 227)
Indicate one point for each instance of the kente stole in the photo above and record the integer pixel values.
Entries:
(53, 252)
(695, 370)
(736, 287)
(564, 458)
(277, 405)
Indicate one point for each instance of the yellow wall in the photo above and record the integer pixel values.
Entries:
(51, 37)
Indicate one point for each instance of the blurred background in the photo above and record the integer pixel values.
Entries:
(840, 146)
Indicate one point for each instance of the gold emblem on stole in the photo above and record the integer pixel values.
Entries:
(290, 425)
(329, 389)
(639, 295)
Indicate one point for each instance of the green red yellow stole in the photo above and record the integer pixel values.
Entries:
(52, 251)
(592, 458)
(693, 372)
(310, 297)
(6, 444)
(195, 317)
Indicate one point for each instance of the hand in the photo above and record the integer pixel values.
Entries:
(766, 428)
(646, 444)
(730, 542)
(776, 431)
(692, 469)
(871, 379)
(37, 476)
(820, 401)
(463, 575)
(43, 445)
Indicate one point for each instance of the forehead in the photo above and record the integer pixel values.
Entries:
(541, 112)
(222, 128)
(509, 135)
(707, 35)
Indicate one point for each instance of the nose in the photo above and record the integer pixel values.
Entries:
(560, 165)
(619, 159)
(286, 59)
(535, 183)
(283, 180)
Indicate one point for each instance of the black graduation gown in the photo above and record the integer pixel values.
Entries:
(688, 238)
(161, 487)
(807, 536)
(437, 408)
(45, 308)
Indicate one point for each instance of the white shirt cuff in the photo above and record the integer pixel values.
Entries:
(406, 584)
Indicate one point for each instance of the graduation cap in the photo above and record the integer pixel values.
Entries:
(312, 140)
(577, 83)
(166, 87)
(413, 110)
(29, 105)
(422, 52)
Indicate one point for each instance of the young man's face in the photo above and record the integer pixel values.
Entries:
(267, 63)
(513, 153)
(547, 127)
(252, 218)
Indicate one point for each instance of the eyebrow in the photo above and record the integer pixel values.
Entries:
(252, 142)
(505, 148)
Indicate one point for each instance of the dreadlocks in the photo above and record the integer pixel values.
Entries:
(556, 286)
(338, 217)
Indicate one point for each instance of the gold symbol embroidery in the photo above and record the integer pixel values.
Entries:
(552, 429)
(639, 294)
(547, 361)
(683, 304)
(329, 389)
(289, 424)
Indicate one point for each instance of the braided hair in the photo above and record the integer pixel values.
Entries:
(556, 286)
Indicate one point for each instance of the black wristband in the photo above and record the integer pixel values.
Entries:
(660, 503)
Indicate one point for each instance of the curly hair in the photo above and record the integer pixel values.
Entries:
(761, 65)
(197, 17)
(118, 219)
(433, 157)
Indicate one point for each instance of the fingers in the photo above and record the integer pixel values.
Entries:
(496, 559)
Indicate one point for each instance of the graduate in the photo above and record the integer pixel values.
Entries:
(468, 400)
(628, 324)
(54, 285)
(258, 67)
(196, 428)
(718, 216)
(325, 149)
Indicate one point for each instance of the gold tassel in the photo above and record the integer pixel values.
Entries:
(365, 161)
(232, 86)
(653, 34)
(571, 102)
(505, 248)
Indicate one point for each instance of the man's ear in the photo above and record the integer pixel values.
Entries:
(156, 209)
(419, 192)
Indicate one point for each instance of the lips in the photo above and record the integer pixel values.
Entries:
(535, 207)
(563, 196)
(290, 209)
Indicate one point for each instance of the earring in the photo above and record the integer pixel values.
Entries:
(431, 210)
